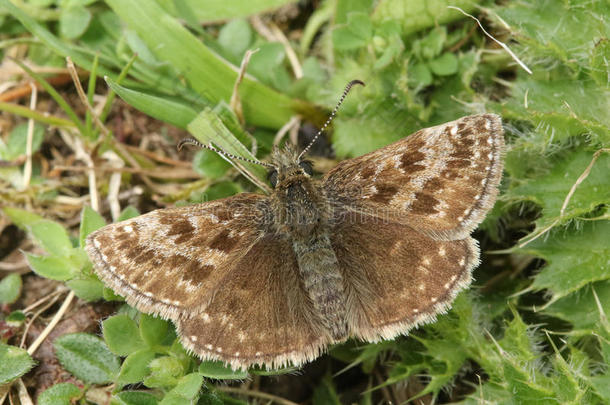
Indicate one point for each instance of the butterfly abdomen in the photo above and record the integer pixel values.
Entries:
(323, 282)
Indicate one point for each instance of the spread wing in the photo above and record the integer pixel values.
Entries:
(230, 286)
(440, 180)
(408, 278)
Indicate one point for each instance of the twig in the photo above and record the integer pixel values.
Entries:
(83, 97)
(27, 168)
(235, 102)
(502, 44)
(258, 394)
(36, 315)
(24, 396)
(159, 173)
(292, 56)
(114, 184)
(60, 313)
(295, 120)
(42, 300)
(260, 27)
(566, 201)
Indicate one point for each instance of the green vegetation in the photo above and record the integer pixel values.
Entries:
(532, 329)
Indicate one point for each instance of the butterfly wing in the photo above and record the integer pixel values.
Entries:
(440, 180)
(408, 277)
(230, 285)
(261, 315)
(165, 262)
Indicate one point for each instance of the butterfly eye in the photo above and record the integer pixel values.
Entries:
(272, 177)
(307, 167)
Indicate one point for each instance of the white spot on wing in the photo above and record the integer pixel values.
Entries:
(128, 228)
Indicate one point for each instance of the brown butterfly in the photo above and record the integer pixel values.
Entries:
(378, 245)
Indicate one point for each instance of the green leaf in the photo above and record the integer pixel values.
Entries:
(90, 221)
(52, 267)
(17, 140)
(207, 127)
(15, 363)
(564, 253)
(135, 367)
(208, 74)
(73, 21)
(221, 10)
(357, 32)
(128, 213)
(415, 15)
(163, 108)
(52, 237)
(444, 65)
(135, 398)
(549, 190)
(235, 37)
(10, 288)
(209, 164)
(60, 394)
(15, 318)
(420, 74)
(599, 65)
(22, 218)
(156, 331)
(87, 357)
(326, 393)
(186, 390)
(87, 288)
(122, 335)
(165, 372)
(218, 371)
(580, 307)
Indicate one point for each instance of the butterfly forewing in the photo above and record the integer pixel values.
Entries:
(441, 180)
(409, 280)
(169, 261)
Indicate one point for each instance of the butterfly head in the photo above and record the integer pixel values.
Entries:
(288, 166)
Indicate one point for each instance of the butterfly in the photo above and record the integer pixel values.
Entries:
(377, 246)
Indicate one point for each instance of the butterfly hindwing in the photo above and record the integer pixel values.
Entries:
(260, 315)
(410, 277)
(440, 180)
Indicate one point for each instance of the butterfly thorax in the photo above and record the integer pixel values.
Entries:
(301, 213)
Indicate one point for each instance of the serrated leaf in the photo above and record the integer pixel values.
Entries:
(90, 221)
(549, 190)
(218, 371)
(60, 394)
(122, 335)
(52, 267)
(135, 367)
(73, 21)
(580, 307)
(10, 288)
(15, 362)
(563, 252)
(87, 357)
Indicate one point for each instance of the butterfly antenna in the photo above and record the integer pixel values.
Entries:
(332, 115)
(192, 141)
